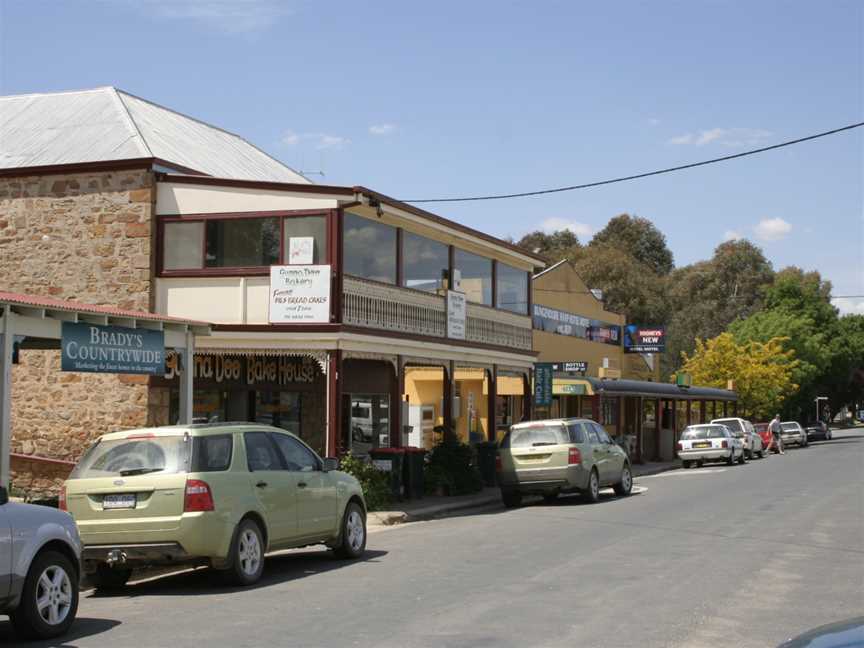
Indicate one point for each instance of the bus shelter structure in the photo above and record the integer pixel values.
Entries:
(34, 322)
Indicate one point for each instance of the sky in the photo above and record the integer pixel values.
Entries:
(428, 100)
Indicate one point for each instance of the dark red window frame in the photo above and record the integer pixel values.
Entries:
(247, 271)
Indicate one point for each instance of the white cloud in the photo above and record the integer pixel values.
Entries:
(554, 224)
(321, 141)
(849, 306)
(731, 137)
(772, 229)
(732, 235)
(382, 129)
(233, 16)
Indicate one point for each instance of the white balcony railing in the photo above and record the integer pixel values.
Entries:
(379, 306)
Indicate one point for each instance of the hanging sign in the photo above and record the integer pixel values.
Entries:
(579, 366)
(543, 374)
(457, 315)
(300, 294)
(94, 348)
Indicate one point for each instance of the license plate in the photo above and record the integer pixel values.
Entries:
(119, 501)
(704, 444)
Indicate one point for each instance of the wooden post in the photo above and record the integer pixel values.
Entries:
(702, 411)
(689, 412)
(7, 341)
(449, 380)
(334, 441)
(397, 391)
(492, 406)
(658, 419)
(725, 409)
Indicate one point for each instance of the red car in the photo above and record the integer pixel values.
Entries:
(767, 437)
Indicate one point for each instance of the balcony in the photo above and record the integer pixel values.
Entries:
(379, 306)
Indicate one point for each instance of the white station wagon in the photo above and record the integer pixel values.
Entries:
(709, 442)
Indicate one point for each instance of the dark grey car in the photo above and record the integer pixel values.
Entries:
(40, 554)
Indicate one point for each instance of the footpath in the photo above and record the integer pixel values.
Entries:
(431, 507)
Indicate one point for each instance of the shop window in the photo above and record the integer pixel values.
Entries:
(369, 249)
(242, 243)
(609, 411)
(425, 262)
(369, 422)
(512, 290)
(314, 227)
(278, 408)
(183, 246)
(476, 277)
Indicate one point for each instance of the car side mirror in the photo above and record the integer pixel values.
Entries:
(4, 495)
(331, 463)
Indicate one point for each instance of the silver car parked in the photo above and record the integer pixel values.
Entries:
(40, 564)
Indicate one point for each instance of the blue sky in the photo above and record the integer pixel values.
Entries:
(461, 98)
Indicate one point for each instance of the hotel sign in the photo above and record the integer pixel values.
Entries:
(300, 294)
(640, 339)
(93, 348)
(457, 315)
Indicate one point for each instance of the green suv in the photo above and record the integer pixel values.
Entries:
(218, 494)
(560, 456)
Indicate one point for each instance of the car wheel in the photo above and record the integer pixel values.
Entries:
(625, 485)
(762, 453)
(246, 556)
(107, 578)
(353, 533)
(49, 600)
(700, 463)
(511, 499)
(685, 463)
(731, 460)
(743, 458)
(549, 498)
(592, 493)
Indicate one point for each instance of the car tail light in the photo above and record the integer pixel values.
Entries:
(574, 457)
(61, 500)
(198, 496)
(724, 444)
(679, 446)
(498, 465)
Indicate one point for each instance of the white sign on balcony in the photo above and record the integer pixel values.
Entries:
(457, 315)
(300, 294)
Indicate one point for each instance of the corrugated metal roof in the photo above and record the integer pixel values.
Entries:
(106, 124)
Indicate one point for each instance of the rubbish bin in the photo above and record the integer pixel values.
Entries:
(391, 460)
(414, 483)
(487, 451)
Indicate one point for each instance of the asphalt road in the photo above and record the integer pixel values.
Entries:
(720, 556)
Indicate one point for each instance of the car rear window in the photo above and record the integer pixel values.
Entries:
(790, 427)
(535, 436)
(706, 432)
(134, 456)
(212, 453)
(732, 424)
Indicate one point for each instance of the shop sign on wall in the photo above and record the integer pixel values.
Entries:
(301, 250)
(246, 370)
(93, 348)
(552, 320)
(300, 294)
(639, 339)
(579, 366)
(457, 315)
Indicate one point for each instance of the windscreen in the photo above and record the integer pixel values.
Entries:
(528, 437)
(732, 424)
(134, 456)
(704, 432)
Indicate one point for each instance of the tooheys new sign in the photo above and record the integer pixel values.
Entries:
(111, 349)
(644, 339)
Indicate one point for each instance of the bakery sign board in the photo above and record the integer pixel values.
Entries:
(300, 294)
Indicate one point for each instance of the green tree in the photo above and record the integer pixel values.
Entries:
(555, 246)
(705, 297)
(761, 372)
(640, 239)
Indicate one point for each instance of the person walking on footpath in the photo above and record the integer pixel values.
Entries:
(774, 428)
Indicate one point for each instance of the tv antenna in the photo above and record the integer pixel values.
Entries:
(320, 172)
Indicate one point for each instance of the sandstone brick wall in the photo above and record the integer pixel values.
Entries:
(87, 237)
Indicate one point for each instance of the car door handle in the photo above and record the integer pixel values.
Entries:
(261, 484)
(301, 484)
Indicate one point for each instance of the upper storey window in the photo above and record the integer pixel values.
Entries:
(369, 249)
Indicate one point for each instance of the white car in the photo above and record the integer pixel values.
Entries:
(744, 430)
(709, 442)
(40, 566)
(792, 432)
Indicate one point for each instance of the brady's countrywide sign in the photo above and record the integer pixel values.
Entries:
(111, 349)
(644, 339)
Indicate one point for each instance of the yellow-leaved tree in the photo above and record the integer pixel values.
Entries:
(761, 371)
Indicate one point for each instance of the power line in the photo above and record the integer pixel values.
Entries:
(847, 297)
(587, 185)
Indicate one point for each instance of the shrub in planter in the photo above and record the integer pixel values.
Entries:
(375, 483)
(450, 468)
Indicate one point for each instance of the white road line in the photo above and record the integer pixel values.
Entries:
(673, 473)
